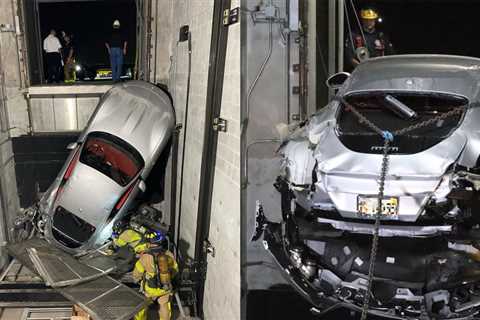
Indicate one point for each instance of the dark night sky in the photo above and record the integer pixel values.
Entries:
(430, 26)
(91, 24)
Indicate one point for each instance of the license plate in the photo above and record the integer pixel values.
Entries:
(104, 73)
(367, 205)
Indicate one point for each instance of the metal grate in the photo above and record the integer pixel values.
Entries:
(105, 299)
(19, 251)
(47, 314)
(102, 297)
(61, 269)
(100, 261)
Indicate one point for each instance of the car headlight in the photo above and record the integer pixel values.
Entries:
(78, 68)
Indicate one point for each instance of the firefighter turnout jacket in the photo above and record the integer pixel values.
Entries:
(155, 271)
(132, 239)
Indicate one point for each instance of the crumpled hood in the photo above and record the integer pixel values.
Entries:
(344, 174)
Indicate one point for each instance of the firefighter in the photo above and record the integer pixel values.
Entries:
(369, 43)
(155, 270)
(130, 236)
(128, 242)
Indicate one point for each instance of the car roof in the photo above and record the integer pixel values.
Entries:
(420, 73)
(137, 112)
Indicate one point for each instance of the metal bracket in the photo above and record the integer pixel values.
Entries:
(7, 28)
(296, 117)
(209, 249)
(230, 16)
(220, 124)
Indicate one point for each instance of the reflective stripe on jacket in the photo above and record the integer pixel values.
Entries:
(131, 238)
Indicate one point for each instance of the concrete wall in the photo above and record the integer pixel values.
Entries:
(11, 98)
(163, 39)
(198, 15)
(222, 288)
(268, 107)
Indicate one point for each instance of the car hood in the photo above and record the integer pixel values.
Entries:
(90, 195)
(345, 174)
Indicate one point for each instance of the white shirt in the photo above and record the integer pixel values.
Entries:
(51, 44)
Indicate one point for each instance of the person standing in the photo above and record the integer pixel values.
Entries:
(369, 43)
(68, 54)
(52, 48)
(117, 49)
(155, 270)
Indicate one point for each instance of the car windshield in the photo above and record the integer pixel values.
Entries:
(111, 156)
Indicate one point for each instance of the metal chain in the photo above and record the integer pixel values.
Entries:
(362, 118)
(388, 137)
(371, 125)
(373, 253)
(430, 121)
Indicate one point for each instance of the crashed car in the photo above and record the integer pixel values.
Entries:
(106, 169)
(427, 262)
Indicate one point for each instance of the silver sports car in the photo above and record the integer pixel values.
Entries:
(427, 263)
(107, 167)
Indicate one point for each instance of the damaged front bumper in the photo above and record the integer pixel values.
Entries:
(440, 280)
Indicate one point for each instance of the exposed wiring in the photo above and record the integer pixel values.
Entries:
(185, 126)
(250, 91)
(283, 37)
(322, 57)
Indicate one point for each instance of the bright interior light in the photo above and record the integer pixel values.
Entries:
(380, 20)
(78, 68)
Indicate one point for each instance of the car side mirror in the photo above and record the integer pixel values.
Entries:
(142, 186)
(72, 145)
(337, 80)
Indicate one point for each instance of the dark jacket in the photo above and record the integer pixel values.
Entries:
(377, 43)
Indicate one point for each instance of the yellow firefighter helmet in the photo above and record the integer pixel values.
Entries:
(368, 14)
